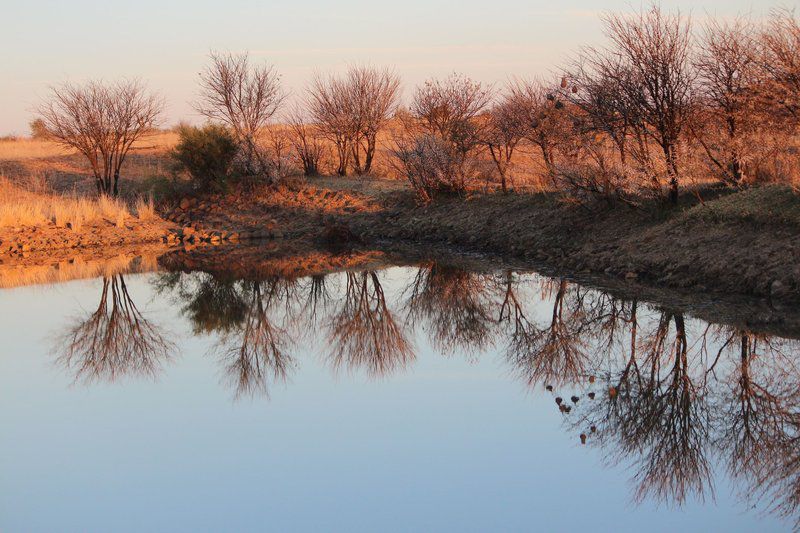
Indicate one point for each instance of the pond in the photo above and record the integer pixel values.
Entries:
(427, 395)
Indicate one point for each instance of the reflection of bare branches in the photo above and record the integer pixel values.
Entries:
(554, 353)
(115, 340)
(759, 418)
(661, 419)
(317, 301)
(455, 304)
(364, 332)
(256, 355)
(251, 346)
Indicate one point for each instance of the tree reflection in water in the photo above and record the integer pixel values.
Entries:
(553, 352)
(252, 345)
(364, 333)
(115, 340)
(670, 397)
(454, 305)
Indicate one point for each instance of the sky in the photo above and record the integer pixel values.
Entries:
(166, 43)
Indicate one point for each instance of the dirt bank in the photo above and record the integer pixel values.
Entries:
(745, 242)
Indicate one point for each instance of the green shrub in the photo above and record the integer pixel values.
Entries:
(207, 154)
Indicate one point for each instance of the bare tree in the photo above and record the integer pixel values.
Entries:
(244, 98)
(328, 106)
(552, 352)
(351, 111)
(101, 121)
(364, 332)
(595, 86)
(455, 304)
(449, 108)
(442, 133)
(373, 94)
(655, 48)
(306, 142)
(506, 127)
(542, 116)
(279, 145)
(256, 354)
(728, 78)
(780, 61)
(114, 341)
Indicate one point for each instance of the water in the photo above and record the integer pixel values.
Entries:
(410, 398)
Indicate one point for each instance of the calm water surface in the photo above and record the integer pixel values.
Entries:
(402, 399)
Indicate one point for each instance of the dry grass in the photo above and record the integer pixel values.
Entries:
(145, 209)
(768, 205)
(22, 207)
(67, 171)
(27, 148)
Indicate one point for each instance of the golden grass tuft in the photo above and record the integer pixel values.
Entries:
(145, 209)
(22, 207)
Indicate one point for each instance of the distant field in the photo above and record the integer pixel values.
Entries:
(29, 162)
(32, 163)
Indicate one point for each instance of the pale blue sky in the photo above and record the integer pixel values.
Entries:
(166, 43)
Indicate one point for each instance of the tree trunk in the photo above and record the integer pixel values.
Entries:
(672, 171)
(370, 155)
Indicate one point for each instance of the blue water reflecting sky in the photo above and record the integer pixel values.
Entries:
(452, 443)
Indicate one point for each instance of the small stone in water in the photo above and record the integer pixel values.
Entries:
(583, 438)
(574, 399)
(591, 396)
(559, 400)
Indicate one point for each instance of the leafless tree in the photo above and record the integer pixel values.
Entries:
(102, 122)
(279, 145)
(351, 110)
(442, 132)
(256, 354)
(456, 305)
(780, 60)
(114, 341)
(306, 142)
(244, 97)
(328, 106)
(433, 166)
(655, 49)
(373, 94)
(551, 353)
(542, 116)
(506, 127)
(449, 109)
(364, 332)
(728, 78)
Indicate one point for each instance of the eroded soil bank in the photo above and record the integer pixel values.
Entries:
(719, 245)
(724, 242)
(745, 242)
